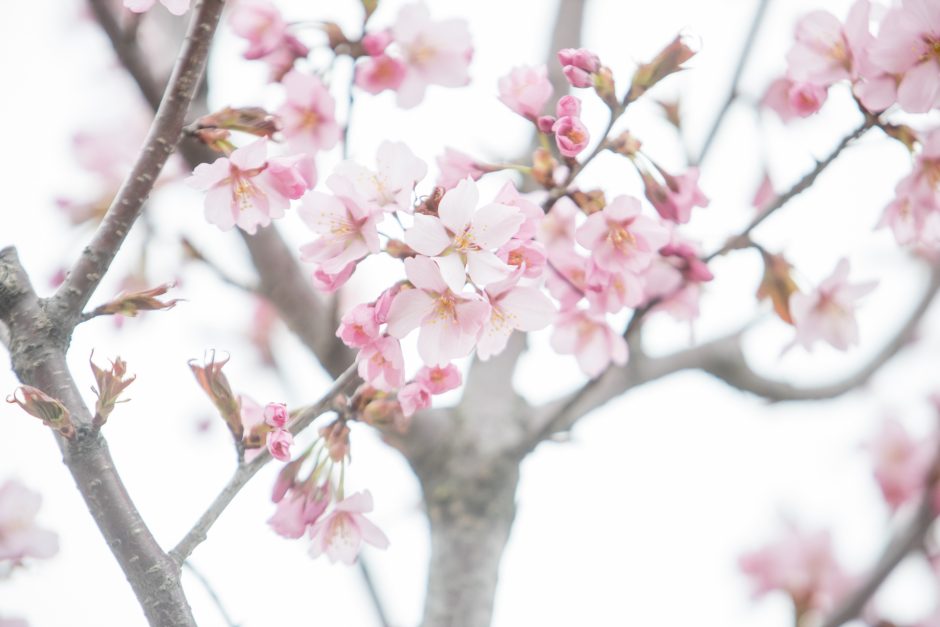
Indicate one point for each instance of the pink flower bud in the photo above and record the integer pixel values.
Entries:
(279, 443)
(375, 43)
(805, 99)
(412, 397)
(568, 106)
(577, 77)
(545, 123)
(580, 58)
(571, 136)
(438, 380)
(292, 176)
(275, 415)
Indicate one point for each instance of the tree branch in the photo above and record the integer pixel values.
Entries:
(243, 474)
(163, 137)
(735, 80)
(798, 188)
(722, 358)
(37, 350)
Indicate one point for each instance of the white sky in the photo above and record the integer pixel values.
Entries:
(640, 519)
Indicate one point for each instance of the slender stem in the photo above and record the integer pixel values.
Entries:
(735, 80)
(243, 474)
(799, 187)
(210, 590)
(165, 133)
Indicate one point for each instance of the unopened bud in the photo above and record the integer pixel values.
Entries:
(605, 88)
(111, 384)
(131, 303)
(429, 205)
(625, 144)
(39, 404)
(251, 120)
(668, 61)
(336, 437)
(543, 167)
(215, 384)
(399, 249)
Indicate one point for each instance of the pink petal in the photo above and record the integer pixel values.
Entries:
(452, 271)
(424, 274)
(408, 311)
(458, 204)
(427, 236)
(493, 225)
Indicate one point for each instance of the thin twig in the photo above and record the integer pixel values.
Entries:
(211, 592)
(165, 133)
(246, 471)
(735, 80)
(799, 187)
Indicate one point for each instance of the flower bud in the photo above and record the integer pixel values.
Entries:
(668, 61)
(215, 384)
(39, 404)
(110, 385)
(130, 304)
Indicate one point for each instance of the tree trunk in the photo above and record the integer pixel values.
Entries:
(470, 504)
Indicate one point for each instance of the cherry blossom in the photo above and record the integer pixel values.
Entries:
(828, 313)
(20, 537)
(275, 415)
(434, 52)
(463, 238)
(571, 135)
(578, 65)
(329, 283)
(300, 508)
(348, 229)
(512, 307)
(525, 90)
(588, 337)
(381, 363)
(450, 324)
(826, 51)
(455, 166)
(621, 239)
(341, 533)
(390, 186)
(358, 327)
(802, 565)
(674, 200)
(413, 397)
(244, 191)
(908, 45)
(308, 114)
(806, 98)
(279, 442)
(259, 22)
(437, 379)
(901, 462)
(380, 72)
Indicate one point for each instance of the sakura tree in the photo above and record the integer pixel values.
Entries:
(464, 310)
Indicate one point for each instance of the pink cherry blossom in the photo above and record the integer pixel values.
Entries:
(438, 380)
(533, 214)
(463, 238)
(525, 90)
(413, 397)
(455, 166)
(578, 65)
(259, 22)
(348, 229)
(777, 99)
(292, 176)
(244, 191)
(621, 239)
(390, 186)
(329, 283)
(20, 537)
(828, 313)
(822, 54)
(567, 277)
(573, 134)
(279, 442)
(381, 72)
(176, 7)
(381, 363)
(612, 291)
(901, 462)
(435, 53)
(557, 230)
(449, 324)
(806, 98)
(301, 507)
(358, 327)
(376, 42)
(252, 414)
(674, 200)
(590, 339)
(908, 45)
(275, 415)
(512, 307)
(526, 254)
(308, 114)
(803, 566)
(341, 533)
